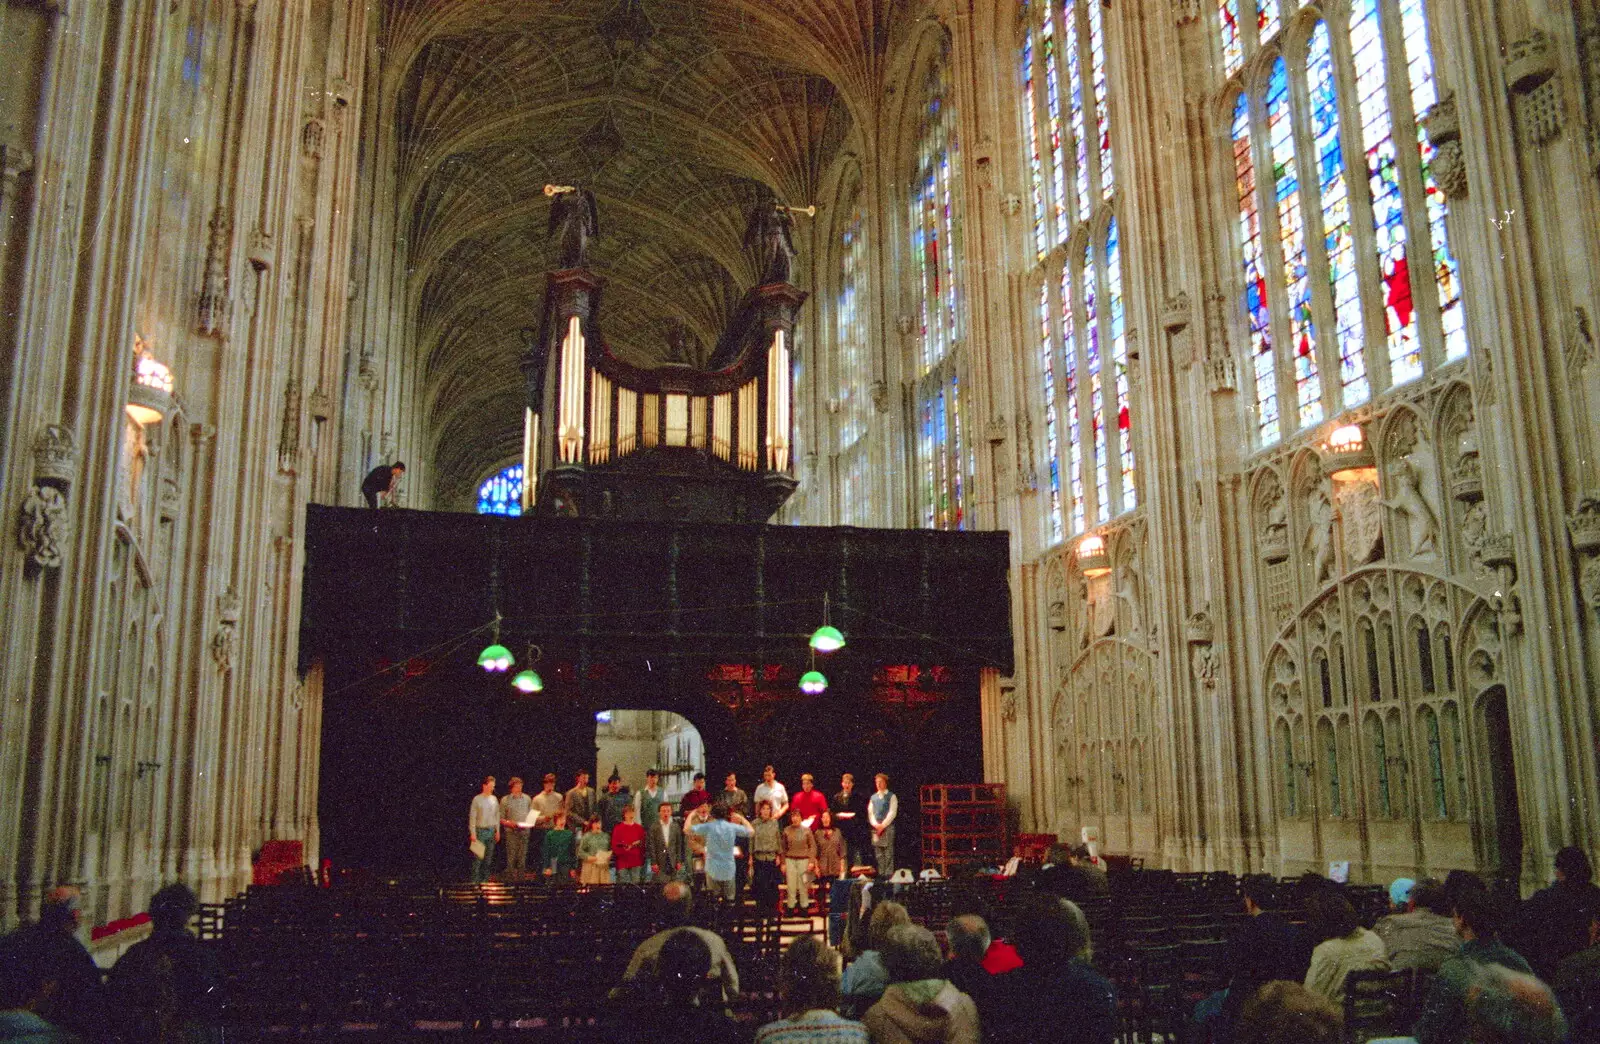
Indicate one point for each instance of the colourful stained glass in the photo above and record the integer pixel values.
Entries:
(930, 484)
(1424, 93)
(1102, 99)
(1292, 239)
(854, 366)
(1257, 310)
(1232, 42)
(501, 493)
(1097, 403)
(958, 460)
(1052, 450)
(1269, 19)
(1383, 183)
(1069, 355)
(1041, 234)
(1338, 237)
(1079, 132)
(1052, 95)
(1119, 362)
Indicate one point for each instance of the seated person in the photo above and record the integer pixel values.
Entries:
(808, 988)
(1423, 935)
(1443, 1019)
(866, 977)
(1288, 1013)
(675, 910)
(1056, 985)
(919, 1005)
(673, 1009)
(1346, 946)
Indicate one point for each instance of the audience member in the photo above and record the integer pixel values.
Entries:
(1555, 921)
(1345, 946)
(78, 1002)
(1096, 880)
(968, 939)
(1577, 984)
(919, 1007)
(1400, 894)
(1288, 1013)
(674, 1011)
(1264, 948)
(1056, 987)
(808, 988)
(1424, 936)
(1509, 1007)
(864, 980)
(31, 975)
(1444, 1009)
(168, 987)
(675, 911)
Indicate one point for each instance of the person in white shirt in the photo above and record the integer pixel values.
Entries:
(882, 807)
(483, 826)
(771, 790)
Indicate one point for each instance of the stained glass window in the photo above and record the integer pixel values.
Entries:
(1317, 207)
(1047, 371)
(1069, 323)
(946, 458)
(501, 493)
(1338, 237)
(1030, 116)
(1424, 93)
(1119, 363)
(855, 366)
(1088, 410)
(1052, 95)
(1262, 365)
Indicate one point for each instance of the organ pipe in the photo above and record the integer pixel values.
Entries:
(572, 372)
(778, 403)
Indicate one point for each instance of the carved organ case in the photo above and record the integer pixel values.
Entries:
(604, 438)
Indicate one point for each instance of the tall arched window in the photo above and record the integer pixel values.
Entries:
(1083, 348)
(946, 461)
(501, 493)
(1323, 252)
(854, 372)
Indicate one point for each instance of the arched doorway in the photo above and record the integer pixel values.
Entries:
(1504, 843)
(630, 742)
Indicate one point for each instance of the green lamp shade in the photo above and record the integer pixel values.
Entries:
(827, 639)
(528, 681)
(496, 658)
(813, 682)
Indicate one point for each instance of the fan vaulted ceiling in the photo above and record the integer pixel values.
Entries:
(679, 114)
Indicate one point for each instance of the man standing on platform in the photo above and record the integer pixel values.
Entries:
(649, 798)
(882, 807)
(738, 801)
(547, 803)
(850, 815)
(665, 848)
(514, 808)
(580, 802)
(809, 802)
(698, 795)
(612, 802)
(382, 481)
(483, 828)
(769, 789)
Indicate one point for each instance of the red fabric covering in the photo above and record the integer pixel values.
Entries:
(1000, 958)
(101, 931)
(276, 860)
(627, 845)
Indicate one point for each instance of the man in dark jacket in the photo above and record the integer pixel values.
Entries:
(1555, 923)
(169, 987)
(381, 481)
(1056, 986)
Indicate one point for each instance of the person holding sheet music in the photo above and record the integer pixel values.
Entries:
(516, 808)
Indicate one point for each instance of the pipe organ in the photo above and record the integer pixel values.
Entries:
(669, 442)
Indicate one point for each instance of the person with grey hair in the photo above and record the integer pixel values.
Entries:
(808, 987)
(1512, 1007)
(674, 914)
(1056, 985)
(867, 976)
(919, 1006)
(969, 939)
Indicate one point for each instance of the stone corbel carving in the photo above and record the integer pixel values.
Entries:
(995, 431)
(983, 162)
(1198, 630)
(1008, 702)
(366, 372)
(905, 324)
(1584, 525)
(1589, 584)
(340, 95)
(1530, 75)
(311, 138)
(213, 304)
(1443, 124)
(880, 396)
(263, 249)
(43, 528)
(1175, 313)
(1011, 204)
(1222, 373)
(1185, 12)
(224, 640)
(1579, 341)
(320, 405)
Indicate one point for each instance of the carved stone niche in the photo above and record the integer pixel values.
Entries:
(1175, 313)
(1443, 124)
(1272, 521)
(1584, 525)
(1499, 551)
(1529, 62)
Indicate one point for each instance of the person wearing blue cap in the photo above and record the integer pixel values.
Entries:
(1423, 934)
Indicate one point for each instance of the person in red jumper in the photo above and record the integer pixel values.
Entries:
(627, 848)
(810, 803)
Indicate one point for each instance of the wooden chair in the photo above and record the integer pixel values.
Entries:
(1377, 1004)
